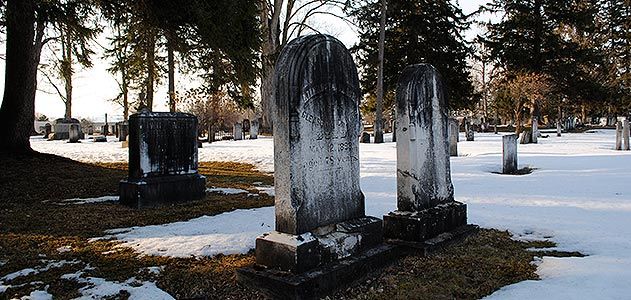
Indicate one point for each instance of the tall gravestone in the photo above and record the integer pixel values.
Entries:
(625, 134)
(254, 129)
(237, 131)
(453, 137)
(535, 130)
(74, 133)
(123, 131)
(559, 128)
(425, 201)
(48, 129)
(246, 127)
(619, 135)
(320, 216)
(509, 154)
(162, 160)
(470, 134)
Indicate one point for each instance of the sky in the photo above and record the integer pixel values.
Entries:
(93, 88)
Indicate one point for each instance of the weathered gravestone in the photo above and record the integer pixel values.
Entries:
(365, 137)
(618, 135)
(246, 127)
(61, 129)
(470, 134)
(525, 137)
(453, 137)
(162, 160)
(509, 154)
(559, 128)
(237, 131)
(625, 134)
(123, 131)
(425, 201)
(74, 133)
(535, 130)
(320, 217)
(254, 129)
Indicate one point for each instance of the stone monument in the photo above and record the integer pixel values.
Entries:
(237, 131)
(246, 127)
(254, 129)
(625, 135)
(320, 217)
(123, 131)
(509, 154)
(74, 133)
(559, 128)
(365, 138)
(535, 130)
(61, 129)
(48, 129)
(470, 134)
(162, 160)
(618, 135)
(453, 137)
(425, 201)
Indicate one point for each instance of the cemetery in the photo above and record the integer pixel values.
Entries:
(294, 164)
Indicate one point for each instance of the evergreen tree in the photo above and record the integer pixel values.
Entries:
(423, 31)
(549, 38)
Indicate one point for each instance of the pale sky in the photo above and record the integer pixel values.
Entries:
(94, 87)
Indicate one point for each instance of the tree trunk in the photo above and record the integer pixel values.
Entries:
(270, 31)
(17, 112)
(379, 109)
(67, 71)
(151, 68)
(171, 67)
(125, 96)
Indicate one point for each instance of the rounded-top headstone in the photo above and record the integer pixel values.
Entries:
(423, 167)
(316, 125)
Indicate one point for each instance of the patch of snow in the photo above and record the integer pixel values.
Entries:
(228, 233)
(99, 288)
(4, 288)
(89, 200)
(226, 191)
(269, 190)
(63, 249)
(38, 295)
(20, 273)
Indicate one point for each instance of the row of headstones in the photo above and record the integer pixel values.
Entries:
(240, 129)
(319, 206)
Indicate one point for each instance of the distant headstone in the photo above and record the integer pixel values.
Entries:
(365, 137)
(453, 137)
(123, 131)
(618, 135)
(105, 130)
(47, 130)
(625, 134)
(246, 127)
(509, 154)
(90, 130)
(470, 133)
(74, 133)
(254, 129)
(237, 131)
(525, 137)
(535, 130)
(425, 194)
(319, 206)
(61, 129)
(559, 128)
(162, 160)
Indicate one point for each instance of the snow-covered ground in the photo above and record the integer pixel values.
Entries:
(579, 196)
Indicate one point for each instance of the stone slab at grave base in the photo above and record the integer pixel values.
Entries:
(416, 227)
(300, 253)
(320, 281)
(158, 191)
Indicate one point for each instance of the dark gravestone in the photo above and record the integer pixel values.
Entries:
(320, 217)
(100, 139)
(619, 133)
(470, 133)
(123, 131)
(47, 130)
(365, 137)
(425, 201)
(453, 137)
(61, 129)
(525, 137)
(246, 127)
(509, 154)
(162, 160)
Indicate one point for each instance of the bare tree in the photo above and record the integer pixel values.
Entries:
(379, 108)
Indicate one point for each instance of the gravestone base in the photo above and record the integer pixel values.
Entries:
(154, 192)
(300, 253)
(320, 281)
(419, 226)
